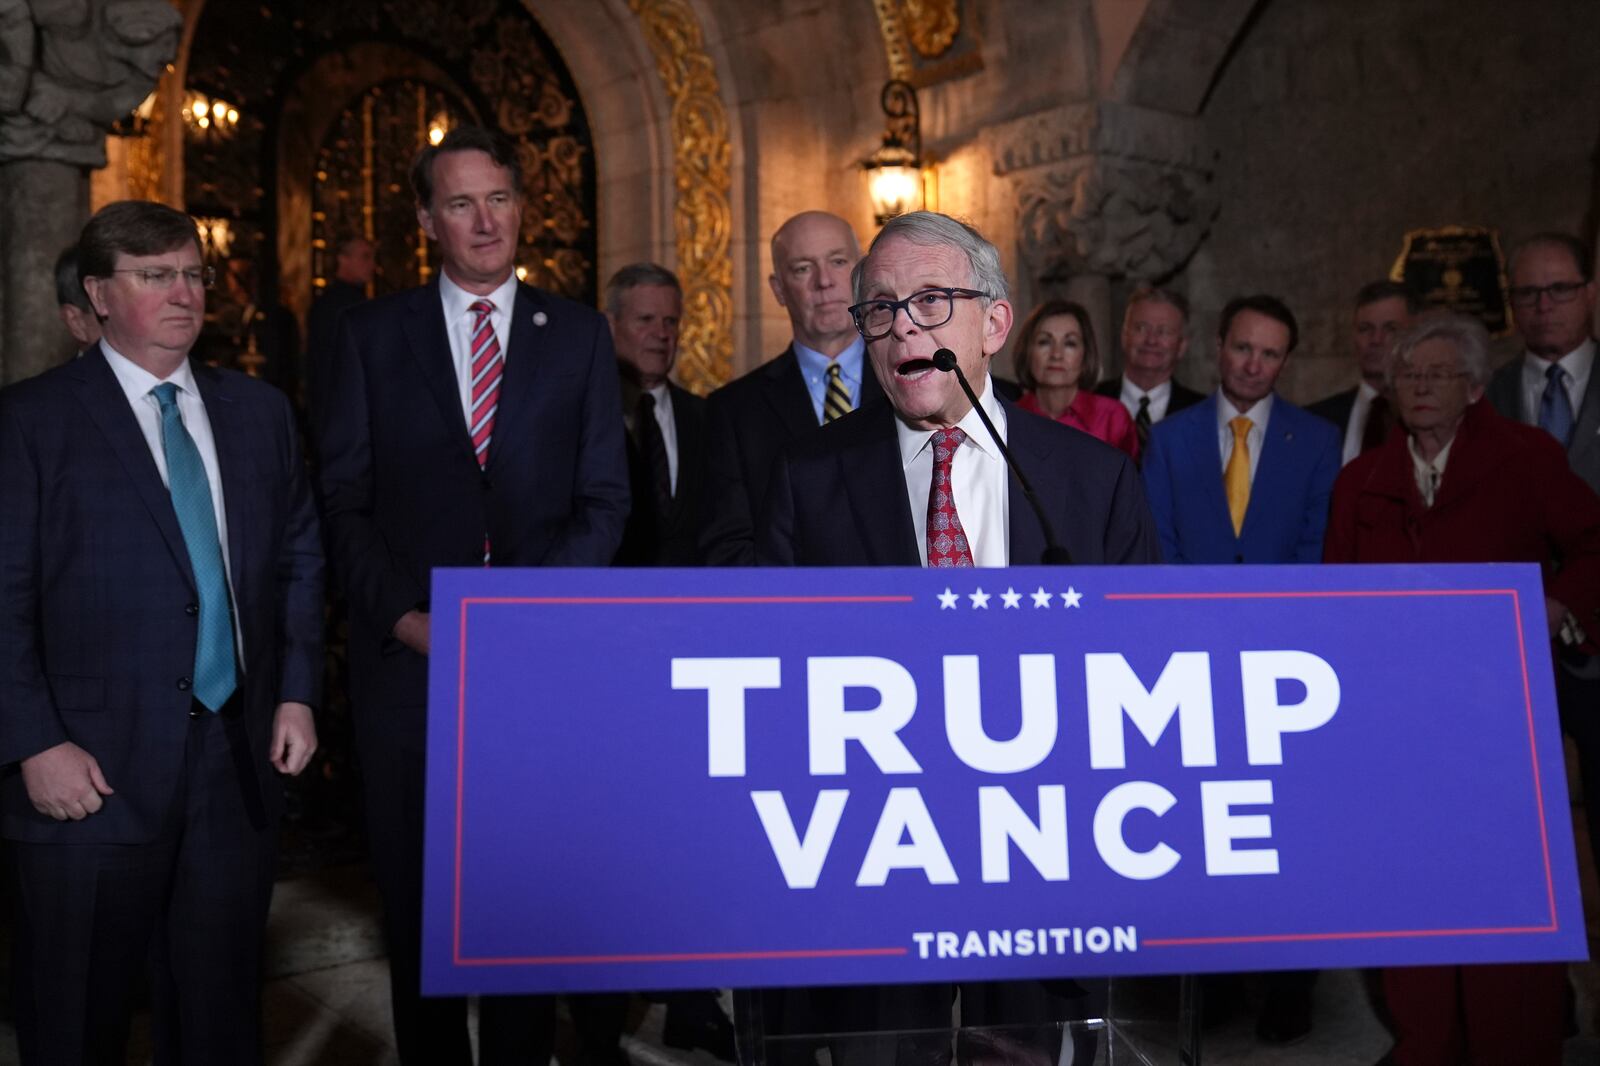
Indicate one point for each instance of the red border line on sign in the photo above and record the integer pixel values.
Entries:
(698, 956)
(1533, 754)
(461, 747)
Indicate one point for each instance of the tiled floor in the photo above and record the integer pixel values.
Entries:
(326, 1000)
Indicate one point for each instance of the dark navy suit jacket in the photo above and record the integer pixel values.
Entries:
(402, 491)
(97, 599)
(748, 422)
(1288, 510)
(838, 497)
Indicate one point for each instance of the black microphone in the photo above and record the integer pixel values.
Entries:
(1054, 554)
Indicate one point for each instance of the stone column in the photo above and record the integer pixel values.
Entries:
(1105, 192)
(68, 70)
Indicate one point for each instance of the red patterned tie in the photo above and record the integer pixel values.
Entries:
(486, 367)
(947, 541)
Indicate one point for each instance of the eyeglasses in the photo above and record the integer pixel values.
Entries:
(1158, 332)
(1435, 377)
(164, 277)
(928, 309)
(1561, 292)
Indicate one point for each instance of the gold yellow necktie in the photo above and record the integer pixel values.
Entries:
(1236, 478)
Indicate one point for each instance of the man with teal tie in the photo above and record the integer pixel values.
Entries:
(160, 611)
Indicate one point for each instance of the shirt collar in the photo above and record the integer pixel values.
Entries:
(1577, 362)
(1258, 415)
(1132, 393)
(137, 382)
(913, 441)
(1365, 391)
(814, 365)
(1422, 465)
(457, 301)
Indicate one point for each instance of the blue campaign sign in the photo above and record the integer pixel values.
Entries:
(703, 778)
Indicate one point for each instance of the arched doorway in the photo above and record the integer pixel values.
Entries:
(300, 73)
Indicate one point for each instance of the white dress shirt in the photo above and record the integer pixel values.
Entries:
(979, 483)
(137, 383)
(458, 322)
(1258, 415)
(1160, 396)
(1356, 427)
(1577, 364)
(1428, 475)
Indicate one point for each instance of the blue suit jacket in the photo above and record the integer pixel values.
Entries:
(402, 490)
(97, 600)
(838, 497)
(1288, 510)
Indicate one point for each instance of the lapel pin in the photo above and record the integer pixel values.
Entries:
(540, 318)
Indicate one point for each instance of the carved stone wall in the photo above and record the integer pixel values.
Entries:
(68, 70)
(1341, 127)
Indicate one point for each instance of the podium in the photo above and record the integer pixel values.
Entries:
(874, 778)
(1138, 1022)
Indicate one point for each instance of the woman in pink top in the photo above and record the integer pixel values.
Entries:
(1057, 365)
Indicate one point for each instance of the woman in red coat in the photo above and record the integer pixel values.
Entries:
(1461, 485)
(1058, 364)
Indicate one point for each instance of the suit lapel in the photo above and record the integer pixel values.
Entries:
(1586, 430)
(521, 366)
(1277, 442)
(1205, 464)
(429, 340)
(102, 396)
(1026, 542)
(229, 435)
(786, 393)
(875, 485)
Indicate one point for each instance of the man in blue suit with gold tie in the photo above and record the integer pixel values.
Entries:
(1244, 476)
(161, 613)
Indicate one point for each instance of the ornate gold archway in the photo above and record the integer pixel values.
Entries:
(702, 177)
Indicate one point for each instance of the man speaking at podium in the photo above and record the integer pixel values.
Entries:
(919, 480)
(881, 485)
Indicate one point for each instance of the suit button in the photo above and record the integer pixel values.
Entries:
(184, 684)
(191, 609)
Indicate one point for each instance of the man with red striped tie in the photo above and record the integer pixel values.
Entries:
(473, 421)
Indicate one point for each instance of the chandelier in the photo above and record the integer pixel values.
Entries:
(209, 116)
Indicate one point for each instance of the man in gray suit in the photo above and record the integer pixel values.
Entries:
(1554, 386)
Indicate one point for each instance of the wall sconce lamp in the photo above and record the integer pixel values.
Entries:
(895, 171)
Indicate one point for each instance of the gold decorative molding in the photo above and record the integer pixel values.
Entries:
(894, 40)
(925, 41)
(702, 171)
(932, 24)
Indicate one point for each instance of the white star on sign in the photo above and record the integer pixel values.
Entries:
(980, 600)
(1012, 598)
(1040, 598)
(947, 600)
(1071, 596)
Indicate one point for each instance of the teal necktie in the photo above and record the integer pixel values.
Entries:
(215, 673)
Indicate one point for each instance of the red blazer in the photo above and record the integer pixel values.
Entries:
(1095, 415)
(1507, 495)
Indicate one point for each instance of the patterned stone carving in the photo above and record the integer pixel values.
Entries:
(70, 68)
(703, 215)
(1107, 189)
(932, 25)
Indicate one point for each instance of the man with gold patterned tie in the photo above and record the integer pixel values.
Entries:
(819, 377)
(1245, 477)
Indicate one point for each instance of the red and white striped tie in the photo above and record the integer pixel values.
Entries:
(486, 369)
